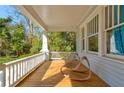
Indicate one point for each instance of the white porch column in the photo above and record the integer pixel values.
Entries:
(45, 45)
(78, 42)
(101, 37)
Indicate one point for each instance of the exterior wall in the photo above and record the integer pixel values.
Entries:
(108, 69)
(111, 71)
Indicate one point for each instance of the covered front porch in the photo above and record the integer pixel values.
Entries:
(93, 26)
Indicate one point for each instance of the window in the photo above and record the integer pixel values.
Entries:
(115, 14)
(83, 39)
(92, 28)
(93, 43)
(115, 34)
(110, 16)
(115, 41)
(106, 17)
(121, 13)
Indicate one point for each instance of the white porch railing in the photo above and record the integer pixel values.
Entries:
(13, 72)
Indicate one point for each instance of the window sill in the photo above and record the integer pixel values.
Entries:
(115, 57)
(92, 52)
(110, 57)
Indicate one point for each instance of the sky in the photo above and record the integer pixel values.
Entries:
(7, 10)
(4, 9)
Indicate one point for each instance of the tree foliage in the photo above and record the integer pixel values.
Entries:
(14, 41)
(4, 35)
(62, 41)
(17, 40)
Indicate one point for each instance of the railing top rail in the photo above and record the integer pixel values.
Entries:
(61, 52)
(22, 59)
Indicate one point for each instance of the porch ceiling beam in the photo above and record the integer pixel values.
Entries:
(32, 14)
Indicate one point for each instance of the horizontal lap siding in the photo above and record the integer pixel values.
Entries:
(110, 71)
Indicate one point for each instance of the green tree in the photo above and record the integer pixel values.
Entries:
(62, 41)
(18, 35)
(4, 35)
(35, 38)
(18, 39)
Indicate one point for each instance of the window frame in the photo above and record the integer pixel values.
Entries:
(93, 24)
(119, 24)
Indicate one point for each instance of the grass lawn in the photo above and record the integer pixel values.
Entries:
(6, 59)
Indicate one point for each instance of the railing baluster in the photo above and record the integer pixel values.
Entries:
(19, 69)
(23, 67)
(13, 73)
(30, 64)
(24, 63)
(34, 62)
(26, 66)
(7, 76)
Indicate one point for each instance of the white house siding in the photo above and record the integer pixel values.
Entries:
(110, 70)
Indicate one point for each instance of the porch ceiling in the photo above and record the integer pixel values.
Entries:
(59, 17)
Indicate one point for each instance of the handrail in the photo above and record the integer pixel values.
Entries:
(61, 52)
(22, 59)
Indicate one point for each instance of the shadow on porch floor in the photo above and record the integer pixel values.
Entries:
(49, 75)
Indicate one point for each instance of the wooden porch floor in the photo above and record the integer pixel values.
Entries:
(49, 75)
